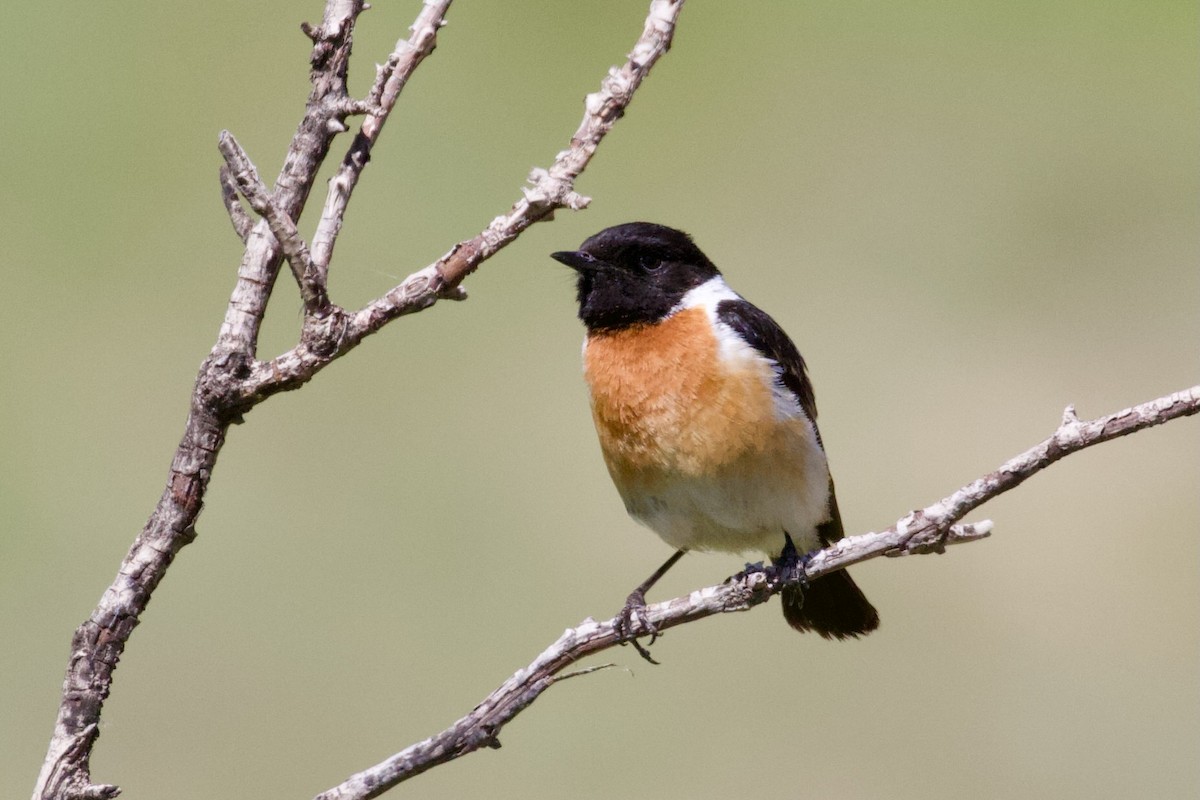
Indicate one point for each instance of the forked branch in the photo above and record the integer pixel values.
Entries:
(549, 190)
(311, 281)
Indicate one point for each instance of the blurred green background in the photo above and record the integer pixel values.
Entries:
(968, 215)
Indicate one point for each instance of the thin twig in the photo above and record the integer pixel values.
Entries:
(242, 223)
(925, 531)
(390, 80)
(313, 293)
(577, 673)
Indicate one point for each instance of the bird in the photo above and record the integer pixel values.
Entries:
(707, 419)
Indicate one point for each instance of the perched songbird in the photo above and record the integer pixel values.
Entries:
(706, 416)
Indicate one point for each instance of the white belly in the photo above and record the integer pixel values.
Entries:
(745, 506)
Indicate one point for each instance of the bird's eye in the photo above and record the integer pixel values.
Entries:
(650, 262)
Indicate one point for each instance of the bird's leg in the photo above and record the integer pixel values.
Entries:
(790, 561)
(634, 605)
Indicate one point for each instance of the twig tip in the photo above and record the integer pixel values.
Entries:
(970, 531)
(582, 671)
(99, 791)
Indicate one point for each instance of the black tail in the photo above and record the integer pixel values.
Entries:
(832, 605)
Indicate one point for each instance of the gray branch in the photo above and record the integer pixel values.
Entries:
(311, 281)
(927, 530)
(242, 223)
(549, 190)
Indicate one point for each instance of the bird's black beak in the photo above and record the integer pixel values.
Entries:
(577, 260)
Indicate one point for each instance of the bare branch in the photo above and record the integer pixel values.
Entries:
(548, 191)
(100, 640)
(927, 530)
(311, 282)
(390, 80)
(242, 223)
(256, 275)
(555, 188)
(1072, 435)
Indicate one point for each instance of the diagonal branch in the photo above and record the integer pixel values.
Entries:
(554, 188)
(927, 530)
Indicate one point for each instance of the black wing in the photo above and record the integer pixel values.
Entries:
(764, 335)
(833, 605)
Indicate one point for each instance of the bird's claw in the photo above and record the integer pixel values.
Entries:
(792, 564)
(633, 618)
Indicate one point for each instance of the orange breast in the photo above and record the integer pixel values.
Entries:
(664, 400)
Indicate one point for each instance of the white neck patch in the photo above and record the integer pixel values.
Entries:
(707, 295)
(731, 347)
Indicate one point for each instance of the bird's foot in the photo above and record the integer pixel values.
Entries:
(633, 618)
(791, 564)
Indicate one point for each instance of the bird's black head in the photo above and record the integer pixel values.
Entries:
(634, 273)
